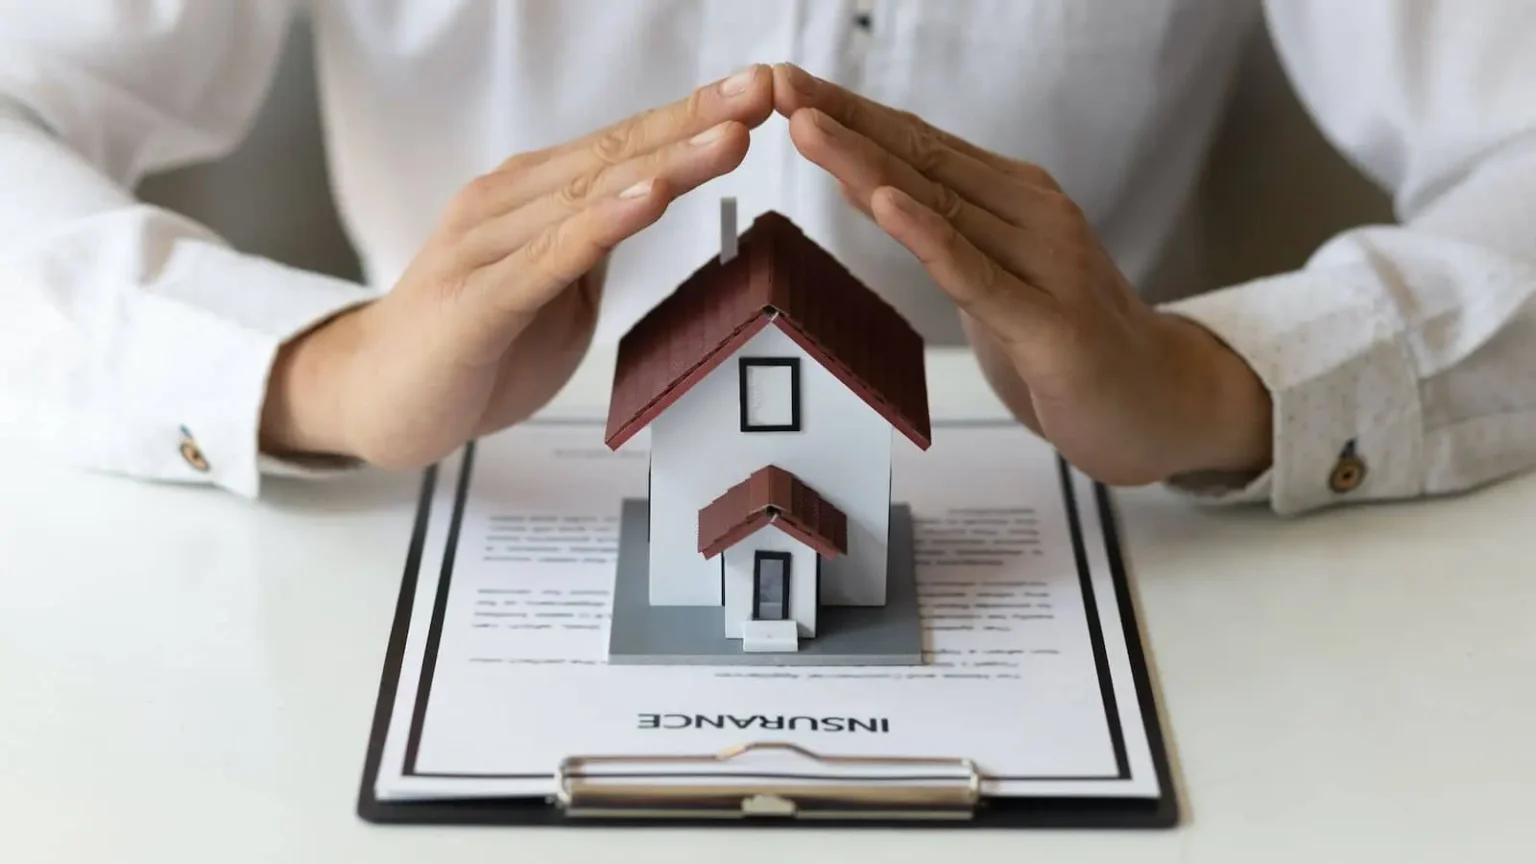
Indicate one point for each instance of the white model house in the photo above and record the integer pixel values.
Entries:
(771, 381)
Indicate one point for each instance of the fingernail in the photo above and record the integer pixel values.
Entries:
(639, 190)
(737, 84)
(901, 200)
(825, 123)
(709, 135)
(800, 79)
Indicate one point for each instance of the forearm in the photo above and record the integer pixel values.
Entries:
(1222, 406)
(304, 409)
(316, 400)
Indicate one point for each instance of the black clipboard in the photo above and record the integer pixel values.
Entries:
(957, 804)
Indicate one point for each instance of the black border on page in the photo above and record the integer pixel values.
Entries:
(1019, 811)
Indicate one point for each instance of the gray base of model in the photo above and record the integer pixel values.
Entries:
(642, 634)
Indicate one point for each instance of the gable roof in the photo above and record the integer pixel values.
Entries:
(772, 496)
(779, 277)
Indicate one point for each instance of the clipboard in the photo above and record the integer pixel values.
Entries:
(625, 789)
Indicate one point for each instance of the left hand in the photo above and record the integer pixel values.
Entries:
(1125, 393)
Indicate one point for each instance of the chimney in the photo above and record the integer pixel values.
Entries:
(727, 229)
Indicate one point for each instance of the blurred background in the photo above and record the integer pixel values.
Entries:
(1273, 191)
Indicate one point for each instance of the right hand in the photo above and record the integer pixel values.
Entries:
(498, 307)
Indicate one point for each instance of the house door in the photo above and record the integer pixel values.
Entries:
(770, 586)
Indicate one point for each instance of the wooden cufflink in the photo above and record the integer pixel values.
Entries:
(192, 453)
(1349, 472)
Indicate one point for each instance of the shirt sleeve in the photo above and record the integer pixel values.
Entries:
(132, 340)
(1401, 360)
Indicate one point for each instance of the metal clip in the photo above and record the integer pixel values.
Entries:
(849, 787)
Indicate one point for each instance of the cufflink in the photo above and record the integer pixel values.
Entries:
(1348, 472)
(192, 453)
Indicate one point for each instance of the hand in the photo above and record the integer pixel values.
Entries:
(498, 307)
(1128, 395)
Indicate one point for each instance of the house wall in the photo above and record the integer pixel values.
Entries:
(843, 451)
(739, 565)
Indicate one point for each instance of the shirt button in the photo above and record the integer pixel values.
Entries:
(192, 453)
(1348, 473)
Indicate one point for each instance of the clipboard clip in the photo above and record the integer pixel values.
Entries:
(722, 786)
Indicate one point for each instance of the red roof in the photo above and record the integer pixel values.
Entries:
(782, 277)
(772, 496)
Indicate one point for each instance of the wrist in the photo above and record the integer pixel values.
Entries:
(303, 413)
(1227, 410)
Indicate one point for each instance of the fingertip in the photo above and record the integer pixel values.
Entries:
(755, 101)
(648, 197)
(663, 192)
(623, 217)
(801, 122)
(901, 216)
(854, 200)
(791, 88)
(806, 131)
(720, 149)
(891, 205)
(735, 133)
(784, 100)
(662, 189)
(734, 144)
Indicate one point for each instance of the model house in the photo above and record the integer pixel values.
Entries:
(772, 381)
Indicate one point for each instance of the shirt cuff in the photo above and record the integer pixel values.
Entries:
(196, 371)
(1331, 349)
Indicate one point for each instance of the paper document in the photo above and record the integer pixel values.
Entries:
(1028, 671)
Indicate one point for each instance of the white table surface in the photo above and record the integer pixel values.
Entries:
(188, 676)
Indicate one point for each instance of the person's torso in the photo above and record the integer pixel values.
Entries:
(1117, 99)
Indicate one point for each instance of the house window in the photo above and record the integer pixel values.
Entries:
(770, 586)
(770, 394)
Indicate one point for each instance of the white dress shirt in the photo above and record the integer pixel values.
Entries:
(1405, 354)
